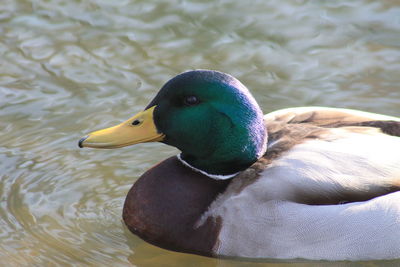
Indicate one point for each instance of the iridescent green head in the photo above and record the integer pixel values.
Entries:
(210, 116)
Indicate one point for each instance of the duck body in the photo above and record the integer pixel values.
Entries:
(325, 185)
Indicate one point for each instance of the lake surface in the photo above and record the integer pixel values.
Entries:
(72, 66)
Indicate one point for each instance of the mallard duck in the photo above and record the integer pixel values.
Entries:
(309, 182)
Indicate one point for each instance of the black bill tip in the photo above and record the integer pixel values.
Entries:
(82, 140)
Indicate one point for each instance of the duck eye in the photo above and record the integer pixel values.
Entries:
(191, 100)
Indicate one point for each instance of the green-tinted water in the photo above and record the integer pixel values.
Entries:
(71, 66)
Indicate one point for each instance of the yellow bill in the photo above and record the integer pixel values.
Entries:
(138, 129)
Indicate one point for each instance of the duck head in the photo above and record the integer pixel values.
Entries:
(210, 116)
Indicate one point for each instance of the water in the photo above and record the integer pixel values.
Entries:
(72, 66)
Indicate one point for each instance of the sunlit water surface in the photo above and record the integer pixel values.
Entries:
(72, 66)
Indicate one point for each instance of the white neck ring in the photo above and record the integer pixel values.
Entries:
(213, 176)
